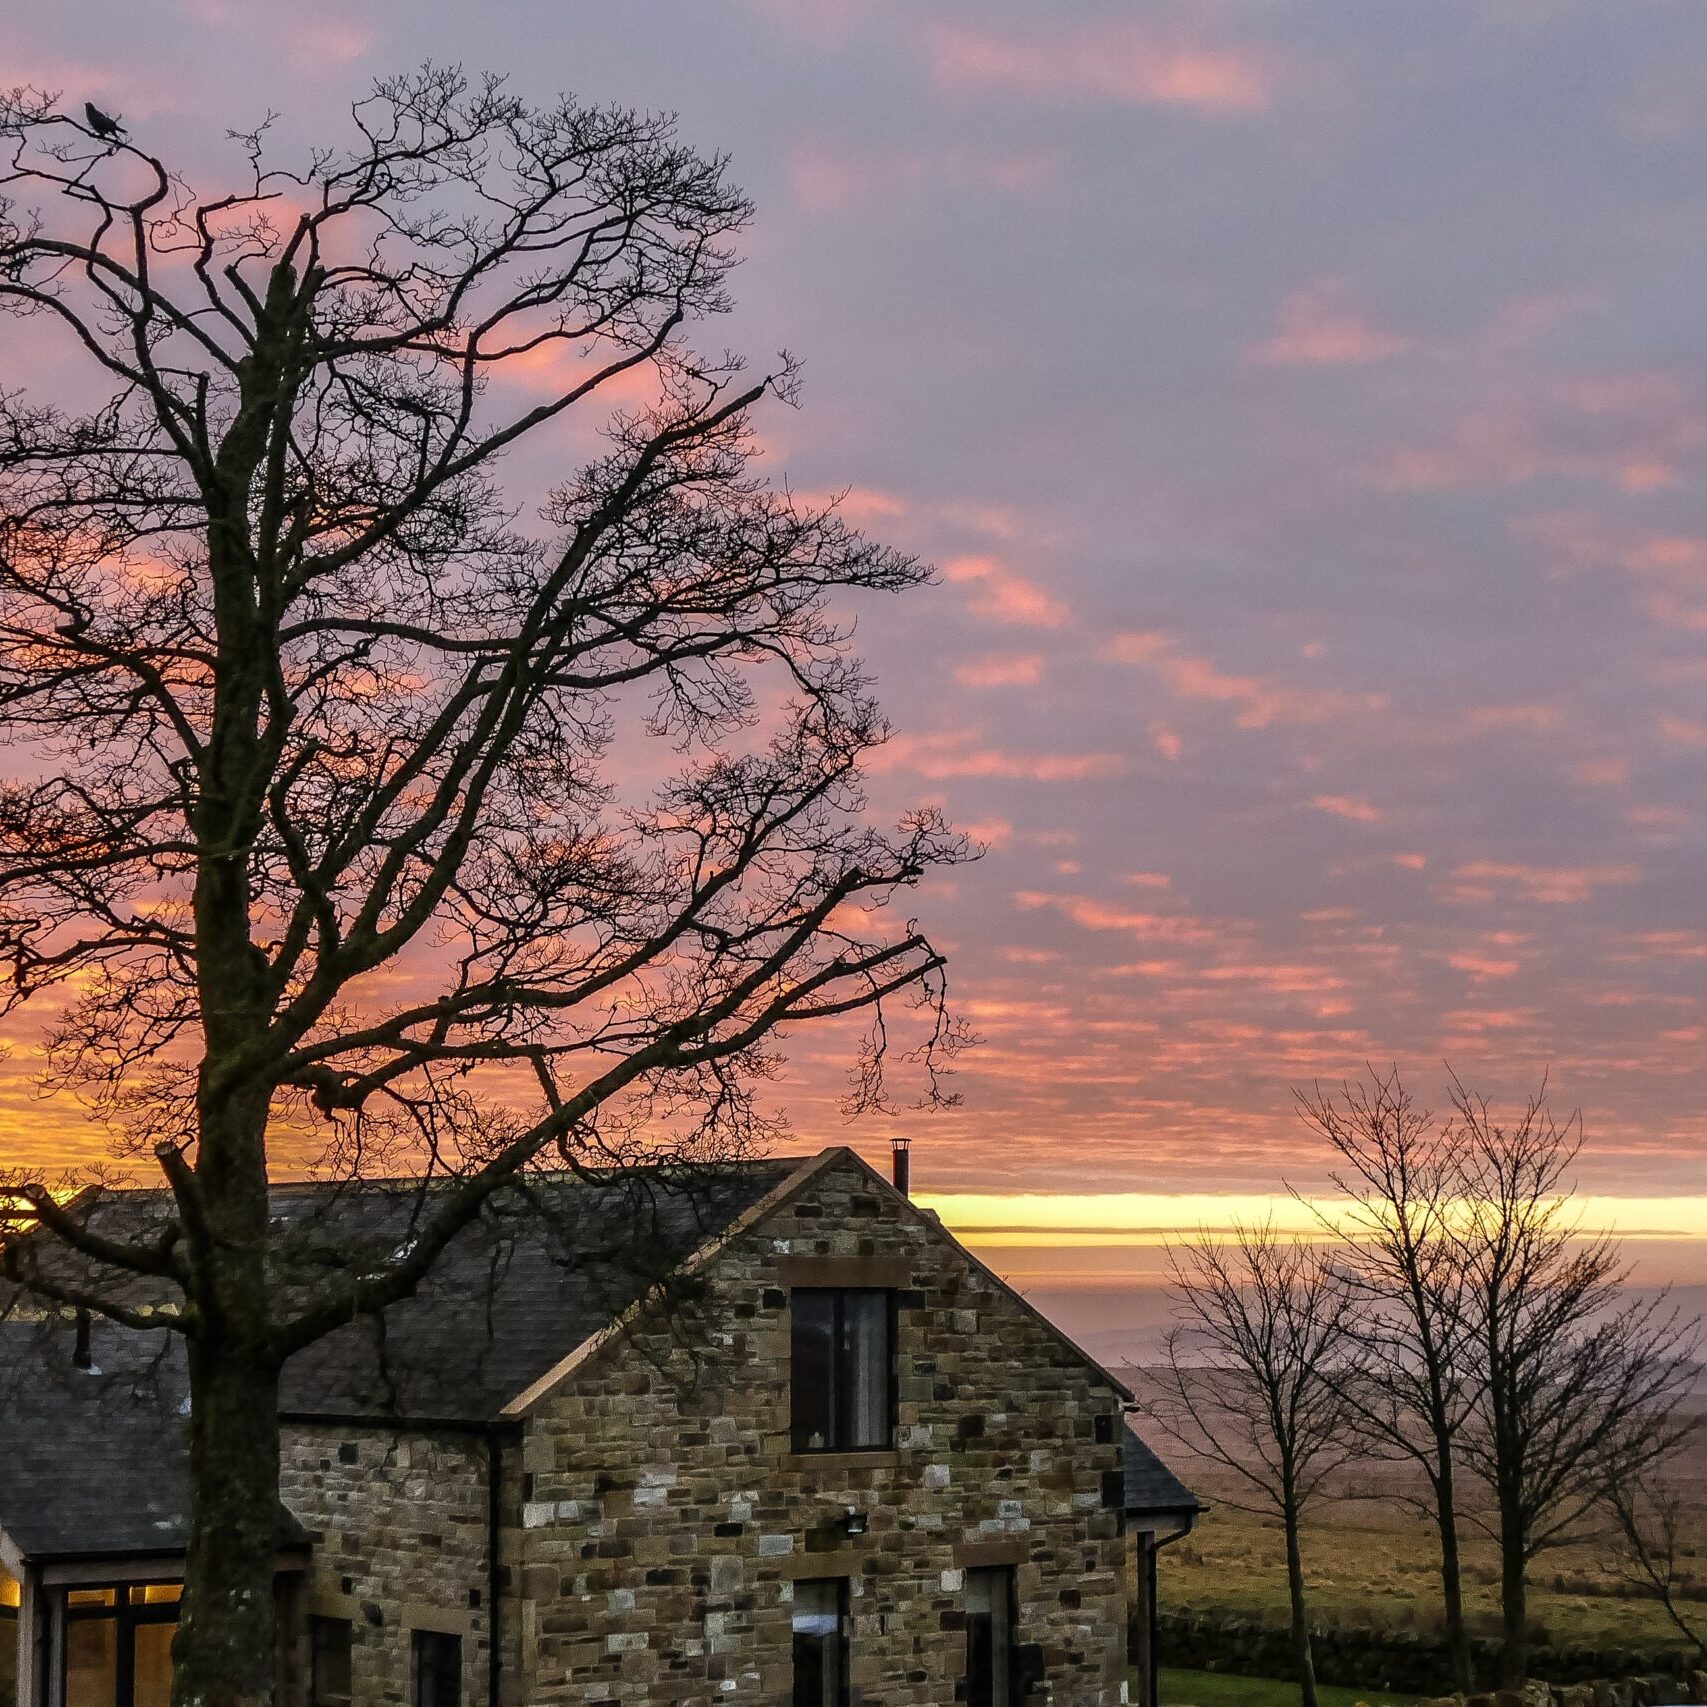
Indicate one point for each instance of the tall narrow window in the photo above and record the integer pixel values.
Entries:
(329, 1680)
(438, 1669)
(821, 1642)
(989, 1637)
(842, 1380)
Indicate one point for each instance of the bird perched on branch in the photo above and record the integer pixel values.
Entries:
(105, 128)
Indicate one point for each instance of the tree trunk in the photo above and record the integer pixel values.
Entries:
(1303, 1663)
(223, 1654)
(1514, 1604)
(1462, 1667)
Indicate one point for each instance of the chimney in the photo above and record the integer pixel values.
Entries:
(901, 1164)
(83, 1352)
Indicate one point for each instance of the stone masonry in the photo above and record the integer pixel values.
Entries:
(666, 1520)
(654, 1520)
(399, 1522)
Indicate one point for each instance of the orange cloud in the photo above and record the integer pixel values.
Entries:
(1001, 595)
(1260, 700)
(1684, 731)
(1096, 915)
(998, 671)
(1479, 879)
(1317, 328)
(1117, 62)
(956, 752)
(1347, 806)
(1481, 966)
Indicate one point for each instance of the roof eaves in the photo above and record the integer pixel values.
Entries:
(591, 1347)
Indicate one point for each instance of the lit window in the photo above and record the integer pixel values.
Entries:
(821, 1642)
(438, 1669)
(842, 1375)
(10, 1596)
(329, 1641)
(989, 1637)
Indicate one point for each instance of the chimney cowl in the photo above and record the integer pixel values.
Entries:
(901, 1165)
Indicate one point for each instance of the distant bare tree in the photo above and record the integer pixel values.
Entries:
(365, 795)
(1251, 1382)
(1652, 1518)
(1411, 1379)
(1581, 1380)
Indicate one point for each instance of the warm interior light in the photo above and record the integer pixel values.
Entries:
(11, 1593)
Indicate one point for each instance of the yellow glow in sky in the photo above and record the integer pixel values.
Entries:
(1129, 1218)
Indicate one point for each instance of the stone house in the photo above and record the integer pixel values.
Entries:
(844, 1465)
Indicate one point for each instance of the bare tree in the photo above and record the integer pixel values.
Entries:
(1581, 1379)
(1411, 1380)
(365, 795)
(1652, 1519)
(1250, 1382)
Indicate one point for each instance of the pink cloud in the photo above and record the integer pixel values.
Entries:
(1259, 700)
(1684, 731)
(957, 752)
(1001, 595)
(1532, 718)
(1095, 915)
(1317, 327)
(1000, 671)
(1482, 966)
(1118, 62)
(1603, 773)
(825, 181)
(1350, 806)
(1634, 431)
(1479, 880)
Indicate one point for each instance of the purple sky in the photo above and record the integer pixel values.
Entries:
(1306, 406)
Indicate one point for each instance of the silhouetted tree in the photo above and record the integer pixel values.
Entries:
(1411, 1378)
(1580, 1379)
(1652, 1518)
(1251, 1382)
(365, 796)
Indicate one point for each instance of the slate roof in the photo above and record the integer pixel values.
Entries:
(1150, 1485)
(95, 1463)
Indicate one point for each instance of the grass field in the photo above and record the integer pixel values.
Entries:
(1371, 1566)
(1219, 1689)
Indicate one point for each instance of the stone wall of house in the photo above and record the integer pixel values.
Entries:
(400, 1523)
(665, 1520)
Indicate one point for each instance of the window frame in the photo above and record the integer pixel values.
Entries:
(419, 1642)
(1004, 1681)
(843, 1641)
(125, 1605)
(843, 1381)
(317, 1696)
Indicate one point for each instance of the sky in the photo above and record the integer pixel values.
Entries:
(1306, 407)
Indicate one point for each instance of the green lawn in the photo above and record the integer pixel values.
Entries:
(1223, 1689)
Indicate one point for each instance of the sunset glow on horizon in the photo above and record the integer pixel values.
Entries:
(1306, 410)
